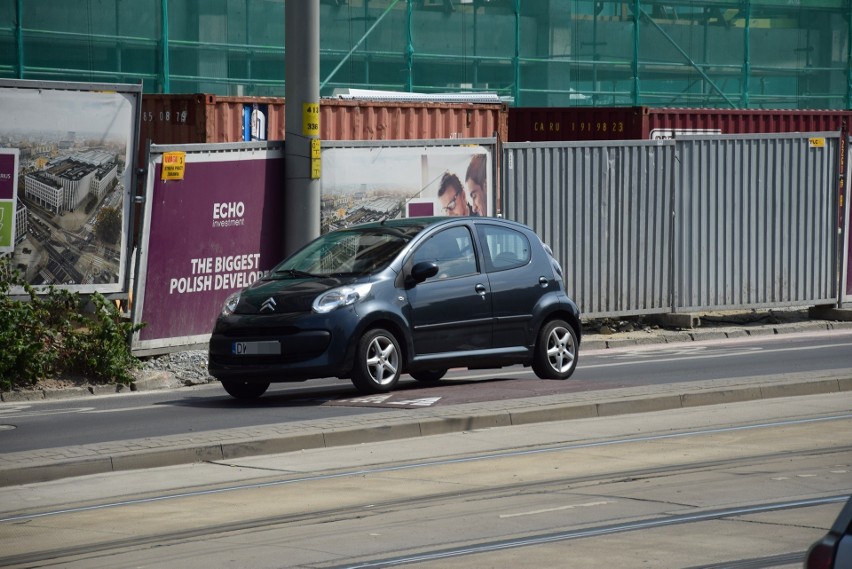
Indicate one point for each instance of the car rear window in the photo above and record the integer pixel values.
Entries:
(505, 248)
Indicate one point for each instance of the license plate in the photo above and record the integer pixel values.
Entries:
(256, 348)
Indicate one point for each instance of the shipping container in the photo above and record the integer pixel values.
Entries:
(380, 120)
(646, 123)
(204, 118)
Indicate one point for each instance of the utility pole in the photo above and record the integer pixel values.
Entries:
(301, 117)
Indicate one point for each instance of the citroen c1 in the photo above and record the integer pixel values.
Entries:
(417, 296)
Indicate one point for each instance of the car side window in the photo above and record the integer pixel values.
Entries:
(452, 250)
(505, 248)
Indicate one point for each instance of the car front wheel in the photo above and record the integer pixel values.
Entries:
(377, 362)
(556, 351)
(245, 389)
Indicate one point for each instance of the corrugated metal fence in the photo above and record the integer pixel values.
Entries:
(707, 223)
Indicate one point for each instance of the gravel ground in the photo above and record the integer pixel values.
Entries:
(189, 368)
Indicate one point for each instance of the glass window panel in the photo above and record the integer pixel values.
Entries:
(379, 40)
(469, 47)
(90, 40)
(8, 41)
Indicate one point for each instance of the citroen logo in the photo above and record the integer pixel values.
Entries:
(268, 304)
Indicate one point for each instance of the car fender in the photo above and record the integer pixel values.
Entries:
(375, 313)
(553, 305)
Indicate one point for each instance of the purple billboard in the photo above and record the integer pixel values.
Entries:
(8, 198)
(212, 226)
(847, 253)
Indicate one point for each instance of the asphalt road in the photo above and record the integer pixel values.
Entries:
(31, 426)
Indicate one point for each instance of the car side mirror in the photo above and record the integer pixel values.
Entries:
(423, 270)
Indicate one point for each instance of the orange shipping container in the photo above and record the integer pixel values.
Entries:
(373, 120)
(202, 118)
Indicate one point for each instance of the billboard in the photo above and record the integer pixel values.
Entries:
(8, 198)
(212, 225)
(74, 186)
(370, 181)
(846, 229)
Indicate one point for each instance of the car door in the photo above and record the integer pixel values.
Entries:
(450, 312)
(518, 278)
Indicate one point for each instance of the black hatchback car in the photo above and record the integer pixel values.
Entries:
(834, 550)
(415, 296)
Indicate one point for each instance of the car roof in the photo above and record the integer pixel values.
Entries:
(424, 222)
(421, 222)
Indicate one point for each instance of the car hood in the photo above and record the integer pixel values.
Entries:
(288, 295)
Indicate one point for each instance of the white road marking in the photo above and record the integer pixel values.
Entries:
(422, 402)
(368, 399)
(559, 509)
(44, 413)
(722, 354)
(700, 352)
(12, 409)
(123, 409)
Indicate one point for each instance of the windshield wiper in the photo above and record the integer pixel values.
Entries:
(296, 273)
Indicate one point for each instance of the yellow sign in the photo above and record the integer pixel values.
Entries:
(316, 160)
(310, 119)
(174, 166)
(816, 142)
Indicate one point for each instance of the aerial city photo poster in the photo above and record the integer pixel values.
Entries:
(75, 146)
(361, 184)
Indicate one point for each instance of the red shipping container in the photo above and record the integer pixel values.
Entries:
(378, 120)
(201, 118)
(645, 123)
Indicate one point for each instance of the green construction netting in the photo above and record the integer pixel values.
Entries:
(708, 53)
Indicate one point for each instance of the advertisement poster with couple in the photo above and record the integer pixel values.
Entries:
(361, 184)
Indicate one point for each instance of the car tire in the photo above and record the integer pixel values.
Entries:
(245, 389)
(555, 354)
(428, 375)
(377, 362)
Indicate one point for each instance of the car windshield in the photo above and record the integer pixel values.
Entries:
(345, 252)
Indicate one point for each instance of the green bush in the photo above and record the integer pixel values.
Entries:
(50, 334)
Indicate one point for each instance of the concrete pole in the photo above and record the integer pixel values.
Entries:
(301, 90)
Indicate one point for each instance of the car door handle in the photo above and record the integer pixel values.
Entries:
(543, 282)
(481, 290)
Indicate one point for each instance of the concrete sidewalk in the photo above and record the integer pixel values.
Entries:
(52, 464)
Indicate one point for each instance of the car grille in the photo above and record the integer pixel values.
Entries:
(228, 360)
(272, 331)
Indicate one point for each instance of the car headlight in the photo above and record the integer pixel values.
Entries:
(231, 303)
(341, 296)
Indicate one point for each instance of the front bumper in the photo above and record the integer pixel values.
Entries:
(312, 346)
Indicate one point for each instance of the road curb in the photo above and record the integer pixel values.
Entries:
(27, 468)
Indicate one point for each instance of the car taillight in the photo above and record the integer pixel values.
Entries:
(820, 556)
